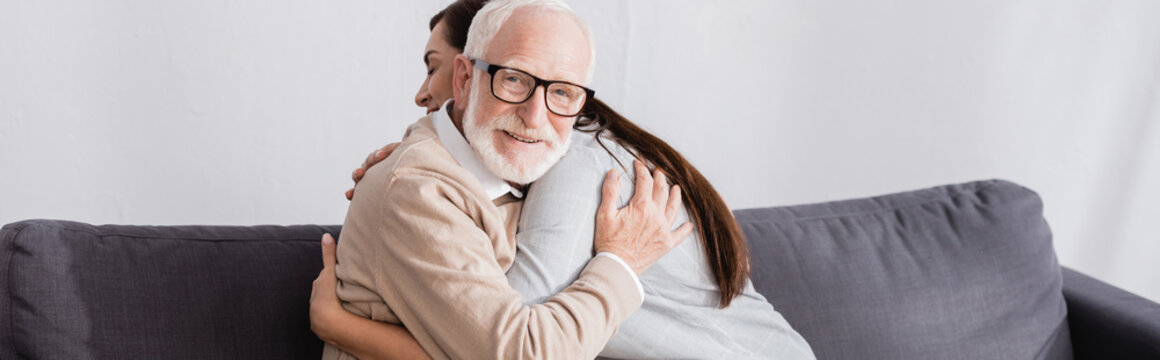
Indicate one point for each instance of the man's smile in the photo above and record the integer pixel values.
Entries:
(521, 139)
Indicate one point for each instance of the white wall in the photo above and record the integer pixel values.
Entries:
(254, 112)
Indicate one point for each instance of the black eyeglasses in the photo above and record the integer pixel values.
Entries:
(515, 87)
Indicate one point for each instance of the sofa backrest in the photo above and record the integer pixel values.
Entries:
(954, 272)
(75, 291)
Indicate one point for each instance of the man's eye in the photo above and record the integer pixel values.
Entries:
(562, 93)
(512, 79)
(430, 71)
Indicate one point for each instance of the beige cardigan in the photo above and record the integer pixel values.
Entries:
(424, 246)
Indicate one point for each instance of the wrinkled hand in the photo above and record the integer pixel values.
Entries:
(324, 304)
(372, 159)
(639, 233)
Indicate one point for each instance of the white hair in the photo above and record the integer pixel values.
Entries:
(492, 16)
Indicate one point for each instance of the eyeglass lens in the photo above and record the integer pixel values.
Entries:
(516, 86)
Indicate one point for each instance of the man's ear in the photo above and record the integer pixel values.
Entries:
(461, 80)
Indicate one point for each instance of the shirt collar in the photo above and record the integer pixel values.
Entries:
(457, 145)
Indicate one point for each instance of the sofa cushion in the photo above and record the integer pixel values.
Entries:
(954, 272)
(76, 291)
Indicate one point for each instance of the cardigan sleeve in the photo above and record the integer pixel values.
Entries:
(421, 246)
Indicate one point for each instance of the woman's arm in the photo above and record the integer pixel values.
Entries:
(364, 338)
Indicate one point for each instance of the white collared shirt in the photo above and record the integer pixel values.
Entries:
(457, 145)
(493, 185)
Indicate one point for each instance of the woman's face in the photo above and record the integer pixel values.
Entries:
(439, 56)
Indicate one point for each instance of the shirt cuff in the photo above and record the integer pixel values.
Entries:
(635, 279)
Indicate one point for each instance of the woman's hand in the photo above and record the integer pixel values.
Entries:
(325, 308)
(640, 232)
(364, 338)
(372, 159)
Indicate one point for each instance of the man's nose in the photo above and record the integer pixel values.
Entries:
(534, 112)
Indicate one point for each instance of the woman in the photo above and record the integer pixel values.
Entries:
(699, 302)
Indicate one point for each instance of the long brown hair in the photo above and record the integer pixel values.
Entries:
(457, 20)
(723, 241)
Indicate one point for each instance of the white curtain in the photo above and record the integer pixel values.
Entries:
(240, 112)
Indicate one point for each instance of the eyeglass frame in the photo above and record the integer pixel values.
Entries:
(491, 69)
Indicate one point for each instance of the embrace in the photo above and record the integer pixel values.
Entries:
(498, 227)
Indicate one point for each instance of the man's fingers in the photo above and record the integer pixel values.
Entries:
(674, 205)
(350, 194)
(660, 189)
(680, 234)
(610, 192)
(644, 182)
(328, 258)
(357, 174)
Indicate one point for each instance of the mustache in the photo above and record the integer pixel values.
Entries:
(513, 124)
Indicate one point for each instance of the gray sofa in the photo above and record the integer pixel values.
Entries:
(963, 271)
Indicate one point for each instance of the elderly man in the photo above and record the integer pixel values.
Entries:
(430, 234)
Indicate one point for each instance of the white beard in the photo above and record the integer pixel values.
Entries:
(520, 168)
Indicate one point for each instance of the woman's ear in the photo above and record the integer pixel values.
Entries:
(461, 80)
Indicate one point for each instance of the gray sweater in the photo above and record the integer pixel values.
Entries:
(679, 318)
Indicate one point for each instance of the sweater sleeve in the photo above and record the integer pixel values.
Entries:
(420, 245)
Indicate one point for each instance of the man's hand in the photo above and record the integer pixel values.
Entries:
(639, 233)
(372, 159)
(325, 307)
